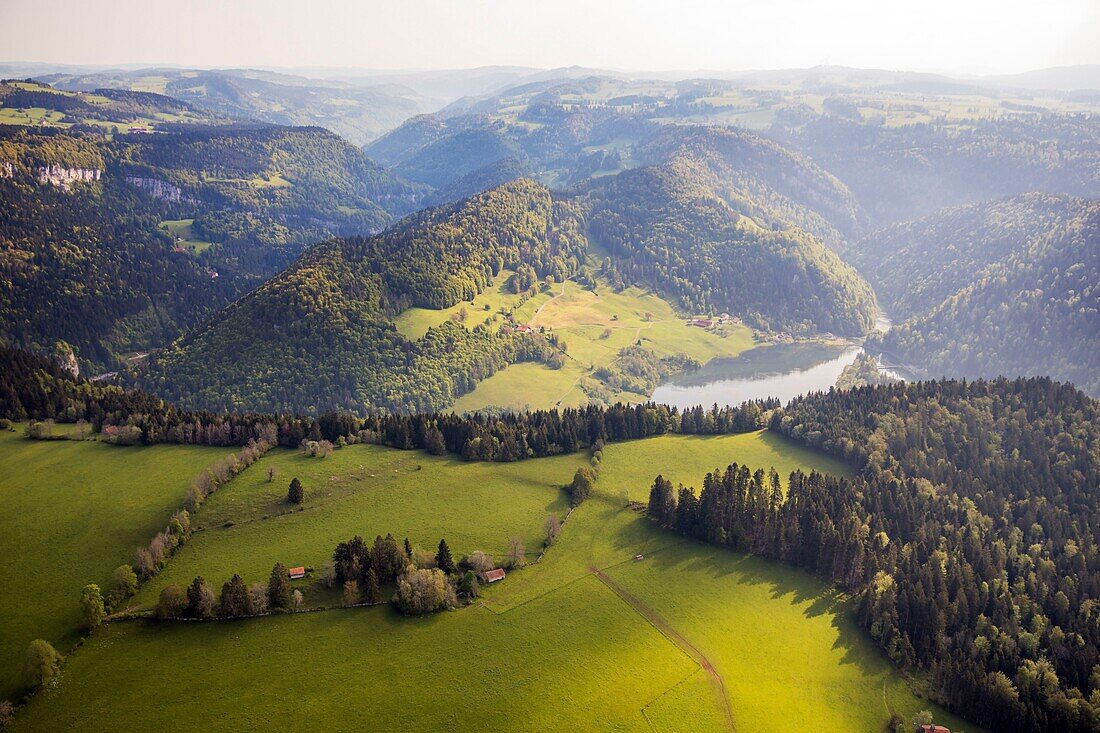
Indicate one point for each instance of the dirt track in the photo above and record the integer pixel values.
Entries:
(676, 638)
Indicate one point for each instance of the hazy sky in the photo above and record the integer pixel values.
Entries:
(960, 35)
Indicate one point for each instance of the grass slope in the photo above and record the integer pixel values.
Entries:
(184, 238)
(595, 325)
(551, 648)
(70, 513)
(366, 490)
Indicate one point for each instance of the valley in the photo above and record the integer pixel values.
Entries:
(519, 630)
(342, 390)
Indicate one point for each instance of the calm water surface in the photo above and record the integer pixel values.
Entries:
(780, 370)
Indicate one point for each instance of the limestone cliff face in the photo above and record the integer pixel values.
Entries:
(57, 175)
(156, 188)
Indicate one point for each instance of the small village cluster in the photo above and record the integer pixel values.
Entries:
(721, 320)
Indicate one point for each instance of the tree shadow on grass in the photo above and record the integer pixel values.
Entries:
(783, 583)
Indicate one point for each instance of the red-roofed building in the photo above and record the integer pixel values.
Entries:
(934, 729)
(494, 575)
(297, 573)
(524, 329)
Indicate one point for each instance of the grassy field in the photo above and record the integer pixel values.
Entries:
(184, 238)
(366, 490)
(595, 325)
(550, 648)
(70, 513)
(32, 116)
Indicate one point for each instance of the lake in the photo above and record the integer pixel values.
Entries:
(780, 370)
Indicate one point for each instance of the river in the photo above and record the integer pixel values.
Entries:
(780, 370)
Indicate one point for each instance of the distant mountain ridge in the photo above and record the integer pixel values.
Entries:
(358, 113)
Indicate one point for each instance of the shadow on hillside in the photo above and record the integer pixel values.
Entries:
(783, 583)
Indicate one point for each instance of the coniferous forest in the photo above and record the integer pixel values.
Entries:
(968, 537)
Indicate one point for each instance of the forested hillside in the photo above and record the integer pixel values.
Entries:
(307, 180)
(762, 179)
(969, 537)
(1004, 288)
(673, 226)
(320, 335)
(85, 262)
(118, 242)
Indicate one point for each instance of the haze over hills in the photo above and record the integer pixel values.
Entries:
(357, 113)
(452, 310)
(151, 214)
(1006, 287)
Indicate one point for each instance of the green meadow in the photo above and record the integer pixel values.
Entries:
(629, 468)
(364, 490)
(70, 513)
(183, 237)
(551, 648)
(595, 324)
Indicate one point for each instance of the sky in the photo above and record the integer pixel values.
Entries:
(963, 36)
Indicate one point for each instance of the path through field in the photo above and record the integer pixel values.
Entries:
(552, 299)
(676, 638)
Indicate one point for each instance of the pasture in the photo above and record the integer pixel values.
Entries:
(550, 648)
(70, 513)
(183, 237)
(595, 324)
(364, 490)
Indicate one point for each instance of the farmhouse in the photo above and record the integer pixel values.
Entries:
(929, 728)
(494, 575)
(702, 322)
(524, 329)
(297, 573)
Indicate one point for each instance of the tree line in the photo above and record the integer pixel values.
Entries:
(32, 387)
(969, 536)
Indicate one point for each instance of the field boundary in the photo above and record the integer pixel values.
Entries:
(677, 639)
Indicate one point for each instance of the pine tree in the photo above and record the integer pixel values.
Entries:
(234, 599)
(662, 502)
(278, 587)
(296, 493)
(371, 592)
(443, 558)
(434, 443)
(200, 599)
